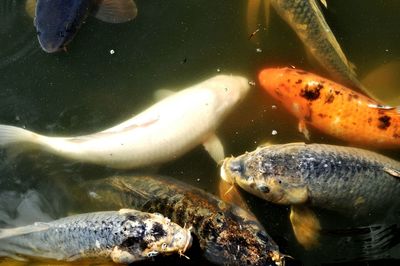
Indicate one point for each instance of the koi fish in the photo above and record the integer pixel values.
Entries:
(354, 182)
(228, 234)
(163, 132)
(332, 108)
(306, 19)
(124, 236)
(58, 21)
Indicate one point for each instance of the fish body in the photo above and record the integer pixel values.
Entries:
(58, 21)
(348, 180)
(306, 19)
(228, 234)
(124, 236)
(333, 108)
(163, 132)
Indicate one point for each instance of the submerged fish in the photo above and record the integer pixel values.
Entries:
(163, 132)
(57, 21)
(306, 19)
(356, 183)
(124, 236)
(348, 180)
(333, 108)
(228, 234)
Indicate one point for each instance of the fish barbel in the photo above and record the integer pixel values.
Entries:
(352, 181)
(228, 234)
(163, 132)
(124, 236)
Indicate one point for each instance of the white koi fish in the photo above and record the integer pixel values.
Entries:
(163, 132)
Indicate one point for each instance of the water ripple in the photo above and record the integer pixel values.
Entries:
(17, 33)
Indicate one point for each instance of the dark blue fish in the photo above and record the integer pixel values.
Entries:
(57, 21)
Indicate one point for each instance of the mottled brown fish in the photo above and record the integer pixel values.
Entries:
(227, 234)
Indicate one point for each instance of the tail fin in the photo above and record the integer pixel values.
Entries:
(23, 230)
(12, 135)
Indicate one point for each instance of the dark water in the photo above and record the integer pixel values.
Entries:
(171, 44)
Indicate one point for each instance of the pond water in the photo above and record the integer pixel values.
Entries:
(111, 72)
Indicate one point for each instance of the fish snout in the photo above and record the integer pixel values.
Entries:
(231, 169)
(181, 241)
(50, 46)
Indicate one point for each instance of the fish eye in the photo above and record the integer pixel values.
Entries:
(164, 246)
(263, 188)
(152, 253)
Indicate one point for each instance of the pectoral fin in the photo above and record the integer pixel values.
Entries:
(230, 193)
(30, 8)
(306, 226)
(393, 172)
(214, 147)
(115, 11)
(303, 129)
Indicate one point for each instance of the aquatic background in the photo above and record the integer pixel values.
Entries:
(110, 72)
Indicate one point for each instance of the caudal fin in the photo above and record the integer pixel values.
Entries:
(13, 135)
(23, 230)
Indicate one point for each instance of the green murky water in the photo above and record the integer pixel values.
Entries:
(171, 44)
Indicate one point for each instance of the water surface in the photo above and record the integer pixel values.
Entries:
(170, 45)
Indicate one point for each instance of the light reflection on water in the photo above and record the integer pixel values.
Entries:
(170, 45)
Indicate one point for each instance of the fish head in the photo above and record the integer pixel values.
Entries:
(168, 237)
(148, 235)
(58, 21)
(294, 88)
(269, 173)
(227, 91)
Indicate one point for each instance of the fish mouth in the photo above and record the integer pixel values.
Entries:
(188, 244)
(225, 173)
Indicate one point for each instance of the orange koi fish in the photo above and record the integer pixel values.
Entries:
(333, 108)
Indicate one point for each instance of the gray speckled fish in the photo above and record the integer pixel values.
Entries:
(350, 180)
(354, 182)
(124, 236)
